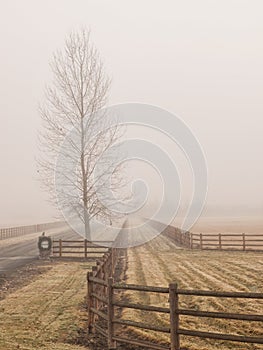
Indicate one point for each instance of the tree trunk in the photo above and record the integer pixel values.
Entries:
(87, 225)
(84, 182)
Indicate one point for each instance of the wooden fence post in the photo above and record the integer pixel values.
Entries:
(191, 241)
(105, 274)
(100, 288)
(244, 241)
(201, 241)
(188, 241)
(111, 342)
(89, 301)
(220, 241)
(111, 262)
(94, 270)
(85, 248)
(174, 316)
(95, 302)
(60, 248)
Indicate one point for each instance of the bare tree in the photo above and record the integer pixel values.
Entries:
(73, 102)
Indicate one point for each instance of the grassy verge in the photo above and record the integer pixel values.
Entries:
(47, 313)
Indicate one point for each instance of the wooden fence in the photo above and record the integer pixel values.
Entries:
(217, 241)
(223, 241)
(181, 238)
(106, 304)
(62, 248)
(102, 306)
(78, 248)
(24, 230)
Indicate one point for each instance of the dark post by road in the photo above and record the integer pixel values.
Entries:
(44, 246)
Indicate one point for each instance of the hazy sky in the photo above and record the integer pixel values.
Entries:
(202, 60)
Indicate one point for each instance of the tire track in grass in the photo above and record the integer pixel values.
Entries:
(226, 304)
(216, 304)
(143, 256)
(241, 278)
(161, 265)
(156, 273)
(209, 276)
(188, 271)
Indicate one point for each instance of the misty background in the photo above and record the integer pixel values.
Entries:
(199, 60)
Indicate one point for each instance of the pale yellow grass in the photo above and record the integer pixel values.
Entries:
(45, 314)
(159, 262)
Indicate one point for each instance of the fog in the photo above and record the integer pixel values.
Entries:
(201, 60)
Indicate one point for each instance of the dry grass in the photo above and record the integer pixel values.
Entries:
(159, 263)
(46, 314)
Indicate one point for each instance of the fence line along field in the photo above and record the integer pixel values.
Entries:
(17, 231)
(78, 248)
(230, 241)
(160, 262)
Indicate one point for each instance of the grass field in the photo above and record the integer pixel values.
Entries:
(159, 262)
(46, 313)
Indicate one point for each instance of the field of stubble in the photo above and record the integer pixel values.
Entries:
(159, 262)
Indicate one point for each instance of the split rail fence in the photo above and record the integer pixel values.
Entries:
(224, 241)
(106, 304)
(215, 241)
(102, 249)
(79, 248)
(11, 232)
(103, 318)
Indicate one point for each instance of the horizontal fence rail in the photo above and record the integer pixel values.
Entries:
(106, 302)
(226, 241)
(79, 248)
(180, 237)
(11, 232)
(216, 241)
(102, 306)
(83, 248)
